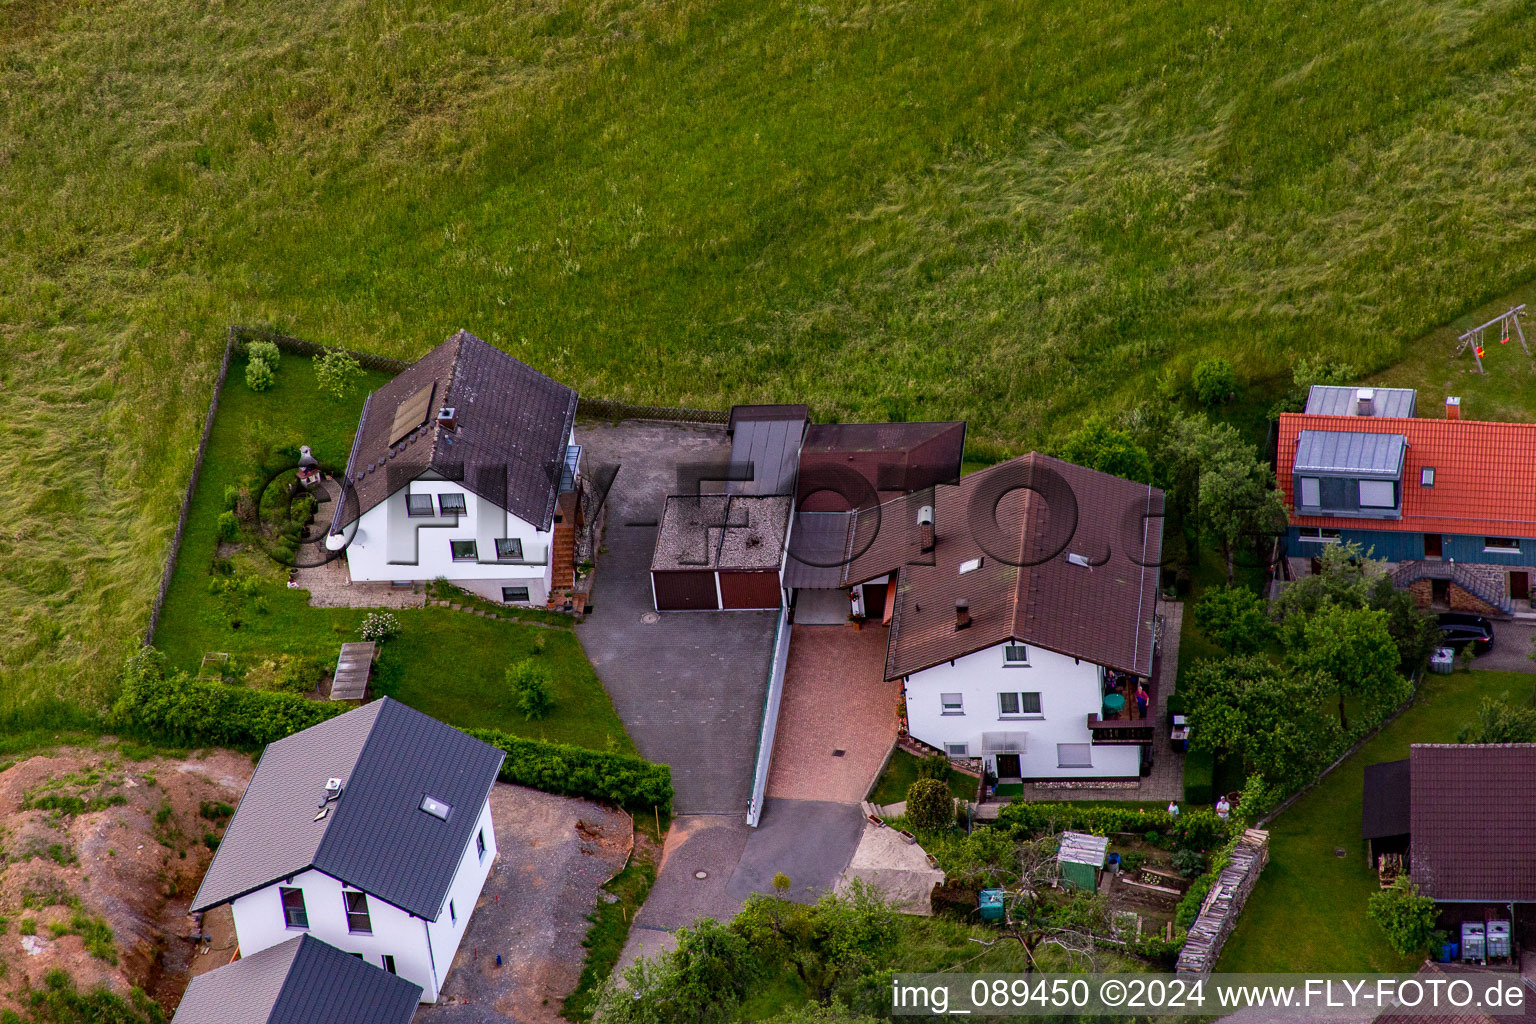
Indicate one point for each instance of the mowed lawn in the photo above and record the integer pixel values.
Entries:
(449, 664)
(1008, 211)
(1308, 911)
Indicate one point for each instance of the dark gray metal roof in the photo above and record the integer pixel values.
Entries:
(1332, 400)
(771, 447)
(376, 837)
(512, 428)
(818, 549)
(301, 981)
(1351, 452)
(1385, 809)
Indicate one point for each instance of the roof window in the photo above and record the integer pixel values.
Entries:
(435, 807)
(971, 565)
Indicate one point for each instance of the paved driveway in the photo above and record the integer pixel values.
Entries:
(1511, 648)
(689, 686)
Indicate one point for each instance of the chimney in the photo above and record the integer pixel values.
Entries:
(925, 535)
(447, 418)
(962, 615)
(1453, 408)
(1365, 402)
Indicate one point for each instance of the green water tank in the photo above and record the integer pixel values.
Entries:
(990, 904)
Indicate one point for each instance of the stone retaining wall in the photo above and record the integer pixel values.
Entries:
(1224, 903)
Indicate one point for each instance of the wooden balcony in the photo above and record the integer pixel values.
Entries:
(1128, 726)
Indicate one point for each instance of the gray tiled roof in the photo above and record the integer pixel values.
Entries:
(1347, 451)
(512, 427)
(375, 837)
(301, 981)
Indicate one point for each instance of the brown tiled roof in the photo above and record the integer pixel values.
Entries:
(512, 427)
(1031, 521)
(892, 458)
(1468, 1016)
(1473, 818)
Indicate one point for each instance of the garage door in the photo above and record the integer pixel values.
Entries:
(749, 589)
(684, 591)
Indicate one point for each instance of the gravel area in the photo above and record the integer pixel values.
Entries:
(554, 855)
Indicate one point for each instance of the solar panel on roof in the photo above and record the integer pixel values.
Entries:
(411, 413)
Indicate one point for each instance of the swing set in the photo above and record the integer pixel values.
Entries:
(1504, 322)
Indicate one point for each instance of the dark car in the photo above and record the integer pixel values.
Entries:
(1461, 628)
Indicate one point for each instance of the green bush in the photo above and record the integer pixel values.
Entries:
(228, 526)
(231, 496)
(258, 375)
(929, 805)
(529, 684)
(266, 351)
(1188, 861)
(336, 372)
(1405, 914)
(1213, 381)
(1200, 829)
(379, 627)
(935, 767)
(1200, 777)
(1132, 860)
(576, 771)
(194, 713)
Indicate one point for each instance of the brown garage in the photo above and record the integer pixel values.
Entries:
(742, 590)
(684, 591)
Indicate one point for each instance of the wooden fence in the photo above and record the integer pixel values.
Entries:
(602, 409)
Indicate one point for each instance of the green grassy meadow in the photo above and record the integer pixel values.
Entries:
(1009, 212)
(1308, 910)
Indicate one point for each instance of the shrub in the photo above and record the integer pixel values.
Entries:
(1200, 829)
(1188, 862)
(379, 627)
(336, 372)
(258, 375)
(228, 526)
(935, 767)
(576, 771)
(1213, 381)
(231, 496)
(1132, 860)
(1200, 777)
(1407, 916)
(1235, 618)
(189, 712)
(929, 805)
(266, 351)
(529, 684)
(302, 511)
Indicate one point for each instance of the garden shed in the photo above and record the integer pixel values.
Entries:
(1081, 858)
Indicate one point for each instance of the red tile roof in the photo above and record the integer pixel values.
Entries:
(1485, 474)
(1472, 819)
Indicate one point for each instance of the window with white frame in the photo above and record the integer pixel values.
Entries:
(1317, 535)
(1018, 705)
(952, 703)
(452, 504)
(1074, 755)
(1378, 494)
(1506, 544)
(1311, 491)
(957, 749)
(1015, 655)
(418, 505)
(480, 844)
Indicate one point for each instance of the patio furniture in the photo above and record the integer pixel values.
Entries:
(1113, 703)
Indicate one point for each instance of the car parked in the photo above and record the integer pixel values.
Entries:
(1459, 629)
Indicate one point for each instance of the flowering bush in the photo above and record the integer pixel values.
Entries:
(380, 626)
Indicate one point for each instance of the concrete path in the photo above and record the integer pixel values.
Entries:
(689, 686)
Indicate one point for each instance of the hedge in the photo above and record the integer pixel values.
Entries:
(577, 771)
(1200, 778)
(197, 713)
(1199, 829)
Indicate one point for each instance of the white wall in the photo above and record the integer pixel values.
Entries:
(464, 892)
(390, 545)
(1069, 690)
(259, 920)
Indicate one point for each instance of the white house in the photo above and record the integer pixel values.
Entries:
(1024, 616)
(465, 468)
(371, 831)
(300, 981)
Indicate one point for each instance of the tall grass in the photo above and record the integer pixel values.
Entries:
(1011, 211)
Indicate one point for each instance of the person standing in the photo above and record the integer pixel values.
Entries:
(1141, 701)
(1173, 808)
(1223, 809)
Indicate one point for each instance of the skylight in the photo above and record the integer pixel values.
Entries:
(435, 807)
(970, 565)
(1077, 559)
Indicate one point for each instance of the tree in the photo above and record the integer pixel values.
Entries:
(704, 979)
(258, 375)
(266, 351)
(530, 686)
(1251, 708)
(1500, 722)
(1214, 381)
(336, 372)
(1307, 372)
(1100, 446)
(1219, 479)
(1353, 648)
(1349, 577)
(1407, 916)
(929, 805)
(1235, 618)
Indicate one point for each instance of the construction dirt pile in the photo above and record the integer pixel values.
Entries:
(100, 855)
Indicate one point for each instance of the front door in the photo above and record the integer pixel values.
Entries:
(1431, 545)
(1007, 766)
(1519, 585)
(1440, 593)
